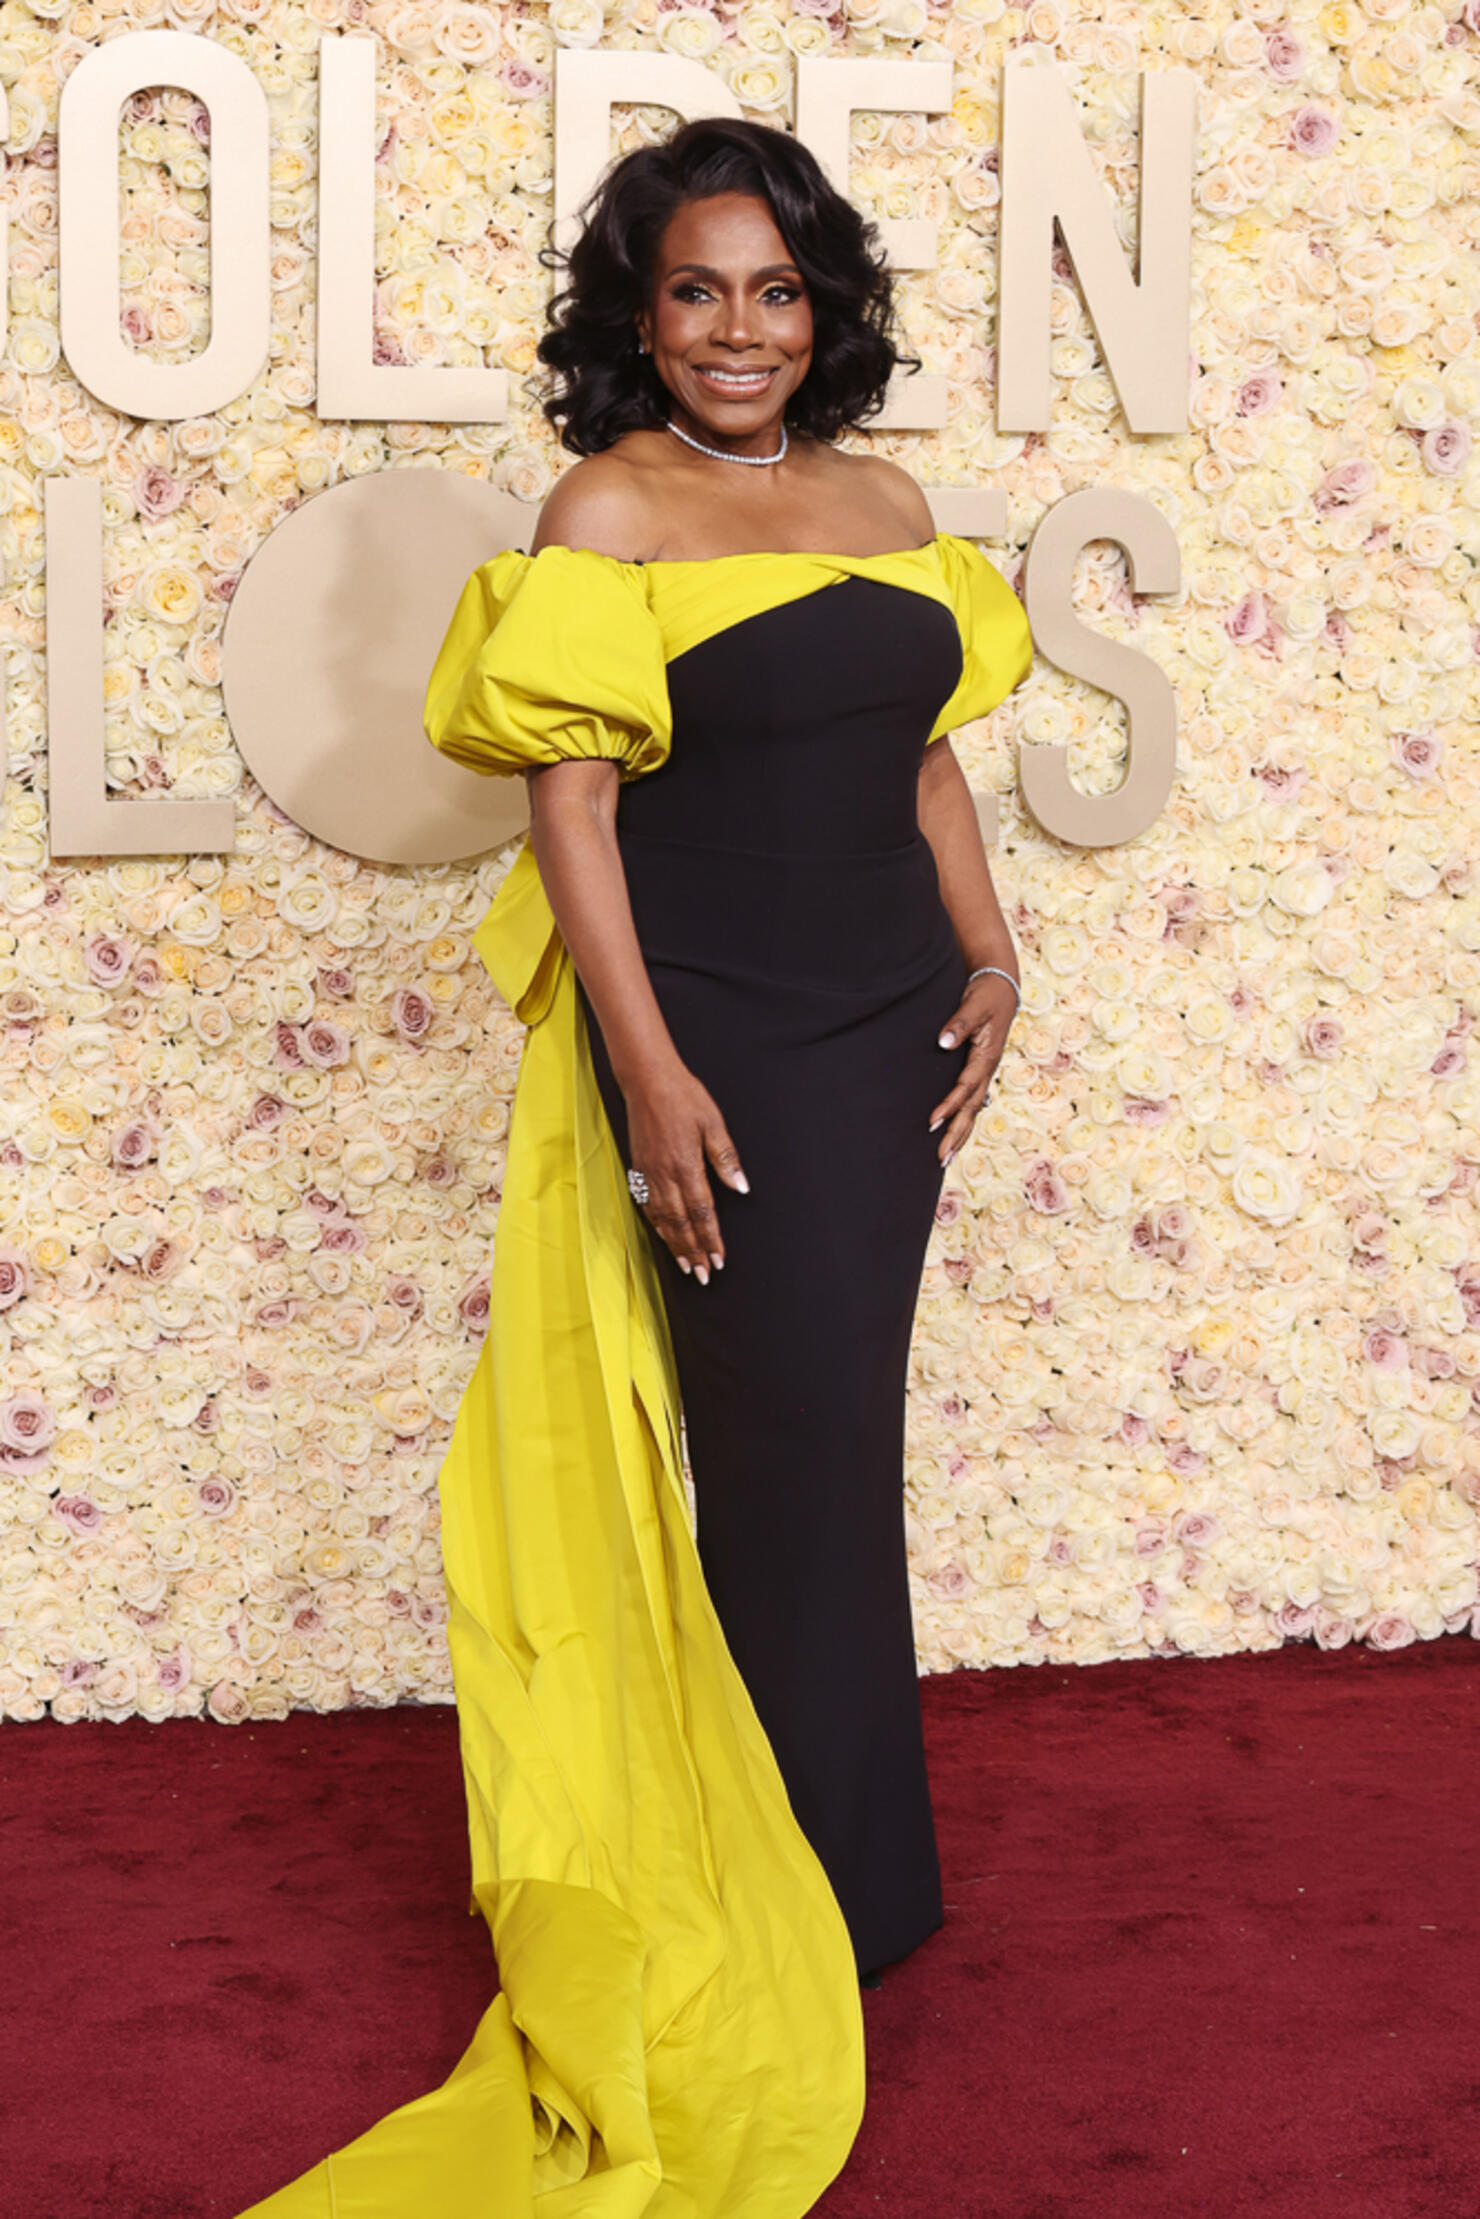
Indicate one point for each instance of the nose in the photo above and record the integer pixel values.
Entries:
(733, 325)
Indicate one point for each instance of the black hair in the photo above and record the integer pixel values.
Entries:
(604, 387)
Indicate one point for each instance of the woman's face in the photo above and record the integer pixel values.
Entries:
(729, 322)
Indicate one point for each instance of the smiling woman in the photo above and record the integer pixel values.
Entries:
(767, 980)
(819, 348)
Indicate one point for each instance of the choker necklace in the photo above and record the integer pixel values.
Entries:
(719, 454)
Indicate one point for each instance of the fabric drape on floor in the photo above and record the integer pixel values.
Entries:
(678, 2032)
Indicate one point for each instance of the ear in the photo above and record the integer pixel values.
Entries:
(644, 333)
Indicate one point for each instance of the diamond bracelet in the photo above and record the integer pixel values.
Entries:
(999, 973)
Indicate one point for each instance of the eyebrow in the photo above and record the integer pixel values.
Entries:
(706, 269)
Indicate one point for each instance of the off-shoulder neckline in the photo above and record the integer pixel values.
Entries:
(748, 554)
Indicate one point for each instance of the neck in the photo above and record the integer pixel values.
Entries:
(766, 440)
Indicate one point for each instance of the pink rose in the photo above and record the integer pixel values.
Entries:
(216, 1495)
(1418, 753)
(1284, 55)
(472, 1304)
(106, 959)
(15, 1277)
(266, 1114)
(344, 1240)
(1196, 1528)
(1045, 1191)
(1313, 131)
(27, 1430)
(1296, 1620)
(160, 1261)
(1450, 1060)
(156, 493)
(523, 80)
(1346, 482)
(403, 1294)
(330, 1207)
(338, 983)
(227, 1703)
(1446, 449)
(1323, 1037)
(133, 1144)
(1281, 782)
(289, 1055)
(76, 1513)
(441, 1171)
(1248, 620)
(1385, 1350)
(948, 1208)
(174, 1671)
(411, 1012)
(1260, 394)
(1139, 1110)
(324, 1045)
(1392, 1629)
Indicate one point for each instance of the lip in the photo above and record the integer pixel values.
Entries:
(734, 384)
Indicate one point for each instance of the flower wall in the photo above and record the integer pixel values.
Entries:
(1196, 1361)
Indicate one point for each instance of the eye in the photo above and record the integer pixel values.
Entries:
(782, 292)
(689, 288)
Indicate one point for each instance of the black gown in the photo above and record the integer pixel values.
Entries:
(790, 917)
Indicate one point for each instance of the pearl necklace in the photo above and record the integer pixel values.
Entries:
(719, 453)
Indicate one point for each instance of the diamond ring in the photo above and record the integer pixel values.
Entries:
(638, 1186)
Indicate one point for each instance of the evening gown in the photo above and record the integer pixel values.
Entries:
(697, 1795)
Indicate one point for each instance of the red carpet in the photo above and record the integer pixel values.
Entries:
(1213, 1948)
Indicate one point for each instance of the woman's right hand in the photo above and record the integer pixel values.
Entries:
(673, 1126)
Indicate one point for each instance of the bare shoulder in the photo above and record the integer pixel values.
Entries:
(600, 504)
(888, 492)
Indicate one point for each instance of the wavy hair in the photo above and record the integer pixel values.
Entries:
(603, 387)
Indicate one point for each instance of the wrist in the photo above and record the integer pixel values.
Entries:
(650, 1067)
(992, 969)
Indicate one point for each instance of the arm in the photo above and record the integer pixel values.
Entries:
(947, 818)
(673, 1121)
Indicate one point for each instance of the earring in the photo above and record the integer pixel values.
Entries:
(642, 346)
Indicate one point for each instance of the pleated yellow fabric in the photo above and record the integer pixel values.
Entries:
(678, 2031)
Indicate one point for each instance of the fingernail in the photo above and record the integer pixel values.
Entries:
(938, 1122)
(701, 1273)
(742, 1183)
(717, 1261)
(948, 1040)
(950, 1152)
(683, 1263)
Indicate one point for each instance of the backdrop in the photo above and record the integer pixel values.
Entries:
(1197, 1353)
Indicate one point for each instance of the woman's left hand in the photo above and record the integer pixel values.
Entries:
(984, 1015)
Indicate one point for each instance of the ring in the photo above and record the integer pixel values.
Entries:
(637, 1186)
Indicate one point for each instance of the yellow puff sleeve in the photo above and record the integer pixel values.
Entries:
(996, 644)
(548, 658)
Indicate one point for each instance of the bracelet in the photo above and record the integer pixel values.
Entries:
(1001, 974)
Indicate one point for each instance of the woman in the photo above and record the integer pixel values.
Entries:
(755, 938)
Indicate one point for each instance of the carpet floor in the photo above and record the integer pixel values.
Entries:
(1213, 1947)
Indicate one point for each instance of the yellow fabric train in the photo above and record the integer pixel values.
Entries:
(678, 2031)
